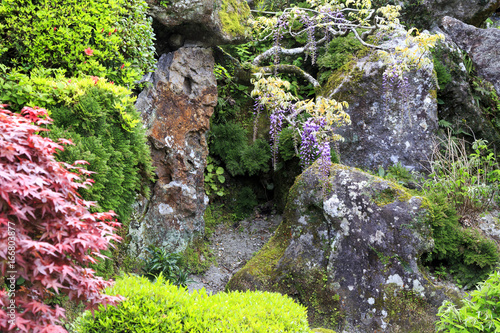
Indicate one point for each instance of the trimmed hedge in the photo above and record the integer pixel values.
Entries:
(112, 39)
(162, 307)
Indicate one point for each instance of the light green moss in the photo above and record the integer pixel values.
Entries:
(407, 311)
(262, 266)
(233, 15)
(390, 194)
(322, 330)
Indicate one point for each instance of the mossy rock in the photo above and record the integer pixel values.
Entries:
(338, 250)
(234, 15)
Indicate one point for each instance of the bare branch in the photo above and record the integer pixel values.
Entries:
(366, 44)
(289, 69)
(269, 53)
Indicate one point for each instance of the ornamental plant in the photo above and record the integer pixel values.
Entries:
(163, 307)
(101, 120)
(479, 313)
(111, 39)
(48, 237)
(307, 28)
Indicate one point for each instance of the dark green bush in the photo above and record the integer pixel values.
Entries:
(229, 142)
(101, 120)
(167, 264)
(467, 255)
(112, 39)
(160, 307)
(245, 202)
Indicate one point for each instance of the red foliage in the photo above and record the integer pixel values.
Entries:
(47, 234)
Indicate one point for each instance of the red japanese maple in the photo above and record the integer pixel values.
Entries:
(47, 235)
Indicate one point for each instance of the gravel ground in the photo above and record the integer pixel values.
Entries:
(233, 246)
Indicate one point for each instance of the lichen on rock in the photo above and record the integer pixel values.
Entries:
(176, 110)
(348, 257)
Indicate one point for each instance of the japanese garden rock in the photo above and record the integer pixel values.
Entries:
(482, 45)
(176, 110)
(390, 123)
(429, 12)
(457, 105)
(207, 22)
(348, 249)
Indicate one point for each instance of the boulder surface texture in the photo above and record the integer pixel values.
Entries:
(207, 22)
(176, 110)
(348, 248)
(429, 12)
(391, 121)
(482, 45)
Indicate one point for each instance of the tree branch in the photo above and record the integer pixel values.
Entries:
(276, 49)
(289, 69)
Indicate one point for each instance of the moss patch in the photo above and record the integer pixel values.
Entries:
(233, 15)
(406, 310)
(263, 265)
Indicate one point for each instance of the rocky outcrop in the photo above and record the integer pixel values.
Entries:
(176, 110)
(350, 252)
(428, 12)
(457, 105)
(482, 45)
(391, 122)
(206, 22)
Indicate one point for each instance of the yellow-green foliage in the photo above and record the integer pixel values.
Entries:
(161, 307)
(233, 15)
(480, 313)
(112, 39)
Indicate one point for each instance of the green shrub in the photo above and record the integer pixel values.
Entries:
(470, 180)
(101, 120)
(112, 39)
(229, 142)
(245, 202)
(479, 314)
(466, 254)
(167, 264)
(159, 307)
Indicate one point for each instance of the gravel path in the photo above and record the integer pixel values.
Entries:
(233, 246)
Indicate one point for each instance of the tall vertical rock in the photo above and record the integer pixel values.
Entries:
(176, 110)
(391, 122)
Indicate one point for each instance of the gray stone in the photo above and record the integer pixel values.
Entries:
(457, 105)
(211, 22)
(482, 45)
(390, 123)
(428, 12)
(350, 254)
(176, 110)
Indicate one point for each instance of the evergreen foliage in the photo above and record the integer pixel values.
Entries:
(468, 255)
(112, 39)
(229, 142)
(162, 307)
(101, 120)
(245, 202)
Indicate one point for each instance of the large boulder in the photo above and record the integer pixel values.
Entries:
(482, 45)
(429, 12)
(207, 22)
(176, 109)
(391, 122)
(348, 248)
